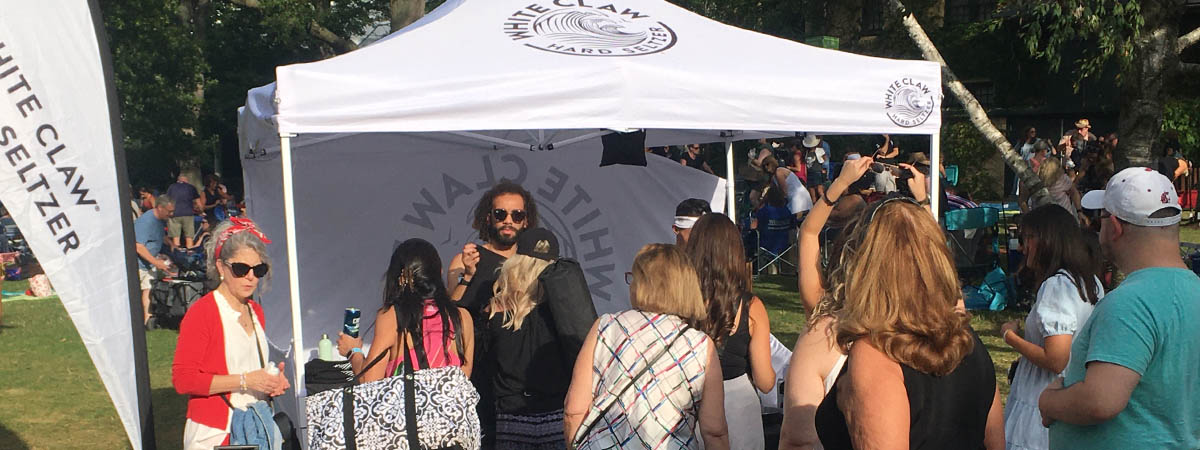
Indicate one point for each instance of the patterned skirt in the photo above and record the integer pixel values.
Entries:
(530, 432)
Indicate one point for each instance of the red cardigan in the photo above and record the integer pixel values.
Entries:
(200, 354)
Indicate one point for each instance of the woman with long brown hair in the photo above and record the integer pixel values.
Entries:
(916, 375)
(737, 322)
(1065, 268)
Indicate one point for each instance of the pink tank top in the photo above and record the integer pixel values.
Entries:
(439, 355)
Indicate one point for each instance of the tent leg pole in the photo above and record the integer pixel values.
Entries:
(730, 195)
(935, 174)
(289, 213)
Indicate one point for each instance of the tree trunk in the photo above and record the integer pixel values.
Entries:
(405, 12)
(979, 117)
(1144, 84)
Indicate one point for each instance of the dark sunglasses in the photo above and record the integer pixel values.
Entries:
(241, 269)
(518, 215)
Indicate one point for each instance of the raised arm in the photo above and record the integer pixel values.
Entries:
(809, 255)
(462, 265)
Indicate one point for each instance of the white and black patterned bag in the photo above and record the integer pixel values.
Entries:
(442, 401)
(445, 410)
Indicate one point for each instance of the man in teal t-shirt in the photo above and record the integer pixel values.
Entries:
(1134, 377)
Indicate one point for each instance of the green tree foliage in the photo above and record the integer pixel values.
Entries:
(1102, 30)
(157, 66)
(965, 147)
(183, 67)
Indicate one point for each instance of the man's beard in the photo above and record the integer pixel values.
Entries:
(495, 237)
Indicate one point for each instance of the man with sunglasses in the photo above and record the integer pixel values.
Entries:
(1135, 365)
(501, 215)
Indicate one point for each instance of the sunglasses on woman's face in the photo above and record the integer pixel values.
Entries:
(518, 215)
(241, 269)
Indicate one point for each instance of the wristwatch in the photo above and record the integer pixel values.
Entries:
(463, 280)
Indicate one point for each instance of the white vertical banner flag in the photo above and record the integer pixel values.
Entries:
(59, 180)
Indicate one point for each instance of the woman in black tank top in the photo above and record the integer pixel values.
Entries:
(916, 375)
(737, 322)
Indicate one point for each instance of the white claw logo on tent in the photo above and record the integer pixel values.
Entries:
(573, 27)
(909, 102)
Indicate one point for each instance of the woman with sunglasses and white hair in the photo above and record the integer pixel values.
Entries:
(220, 358)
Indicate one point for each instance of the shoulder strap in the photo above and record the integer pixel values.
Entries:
(372, 364)
(410, 401)
(632, 380)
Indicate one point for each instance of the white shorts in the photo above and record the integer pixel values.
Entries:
(146, 278)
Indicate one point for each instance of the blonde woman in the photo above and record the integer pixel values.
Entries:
(816, 358)
(1062, 190)
(531, 370)
(916, 375)
(663, 389)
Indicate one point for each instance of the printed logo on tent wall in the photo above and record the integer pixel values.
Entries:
(573, 27)
(442, 214)
(909, 102)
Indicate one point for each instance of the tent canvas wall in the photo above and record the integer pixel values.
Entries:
(348, 155)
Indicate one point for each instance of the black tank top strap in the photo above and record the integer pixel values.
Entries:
(735, 353)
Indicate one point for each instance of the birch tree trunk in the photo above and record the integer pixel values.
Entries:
(1144, 84)
(979, 118)
(405, 12)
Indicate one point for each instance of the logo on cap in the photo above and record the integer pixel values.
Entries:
(1166, 199)
(576, 28)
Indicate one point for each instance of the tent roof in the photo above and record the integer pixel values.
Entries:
(590, 64)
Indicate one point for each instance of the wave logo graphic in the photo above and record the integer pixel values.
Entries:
(909, 103)
(583, 30)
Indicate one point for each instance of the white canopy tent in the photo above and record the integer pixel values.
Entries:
(378, 144)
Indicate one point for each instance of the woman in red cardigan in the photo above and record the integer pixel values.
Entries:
(220, 358)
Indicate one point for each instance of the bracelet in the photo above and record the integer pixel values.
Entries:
(825, 198)
(924, 202)
(356, 350)
(243, 382)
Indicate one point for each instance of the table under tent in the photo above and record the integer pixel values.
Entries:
(344, 158)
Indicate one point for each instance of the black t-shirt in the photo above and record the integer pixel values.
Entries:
(474, 300)
(479, 292)
(948, 412)
(695, 163)
(531, 372)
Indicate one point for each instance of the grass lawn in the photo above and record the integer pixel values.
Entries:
(52, 396)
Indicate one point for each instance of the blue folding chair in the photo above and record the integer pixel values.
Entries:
(967, 230)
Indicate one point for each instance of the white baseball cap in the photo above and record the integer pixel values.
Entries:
(1134, 194)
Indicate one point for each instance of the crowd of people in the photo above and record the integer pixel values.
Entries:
(1081, 161)
(888, 358)
(179, 220)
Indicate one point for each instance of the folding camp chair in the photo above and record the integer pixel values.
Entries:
(972, 238)
(772, 241)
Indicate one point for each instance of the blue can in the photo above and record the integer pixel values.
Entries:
(350, 323)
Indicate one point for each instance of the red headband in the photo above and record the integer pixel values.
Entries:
(239, 224)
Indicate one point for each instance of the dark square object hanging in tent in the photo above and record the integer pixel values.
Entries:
(624, 148)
